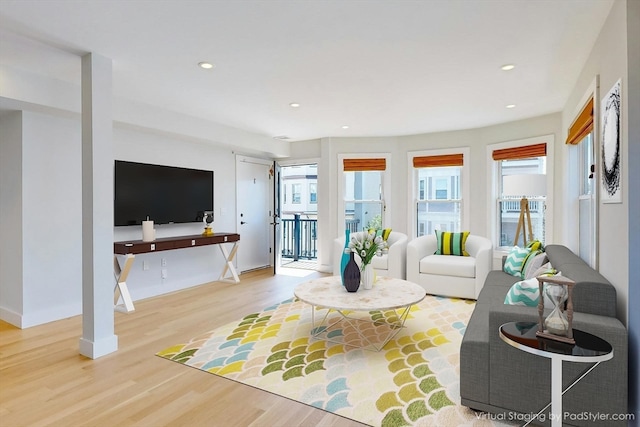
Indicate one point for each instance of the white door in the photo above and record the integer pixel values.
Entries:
(253, 195)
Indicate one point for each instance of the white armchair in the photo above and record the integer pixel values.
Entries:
(449, 275)
(391, 264)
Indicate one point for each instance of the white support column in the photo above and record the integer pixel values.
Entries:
(98, 336)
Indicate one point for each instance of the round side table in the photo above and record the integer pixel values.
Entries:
(587, 349)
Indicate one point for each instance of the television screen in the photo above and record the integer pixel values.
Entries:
(165, 194)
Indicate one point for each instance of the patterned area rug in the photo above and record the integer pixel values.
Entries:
(412, 381)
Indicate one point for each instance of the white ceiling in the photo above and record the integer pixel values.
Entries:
(382, 67)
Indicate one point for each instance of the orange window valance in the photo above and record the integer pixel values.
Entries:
(438, 161)
(582, 125)
(524, 152)
(357, 165)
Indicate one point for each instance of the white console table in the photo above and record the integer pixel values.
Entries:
(133, 247)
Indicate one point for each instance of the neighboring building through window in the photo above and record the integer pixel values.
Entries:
(299, 185)
(313, 193)
(295, 193)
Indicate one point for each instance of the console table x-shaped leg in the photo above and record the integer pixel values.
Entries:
(229, 267)
(121, 289)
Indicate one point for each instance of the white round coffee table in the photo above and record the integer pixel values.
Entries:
(386, 306)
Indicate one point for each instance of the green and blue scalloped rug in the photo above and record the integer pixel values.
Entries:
(413, 380)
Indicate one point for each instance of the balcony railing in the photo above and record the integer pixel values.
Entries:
(300, 237)
(513, 206)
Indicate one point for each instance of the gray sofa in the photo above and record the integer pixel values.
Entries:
(502, 380)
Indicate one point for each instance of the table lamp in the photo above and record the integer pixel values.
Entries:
(524, 185)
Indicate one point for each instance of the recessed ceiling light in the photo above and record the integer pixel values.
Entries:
(294, 105)
(507, 67)
(345, 127)
(205, 65)
(510, 106)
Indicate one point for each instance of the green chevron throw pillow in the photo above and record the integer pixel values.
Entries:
(515, 260)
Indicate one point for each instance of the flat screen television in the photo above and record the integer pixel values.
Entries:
(165, 194)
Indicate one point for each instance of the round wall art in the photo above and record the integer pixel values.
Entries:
(611, 150)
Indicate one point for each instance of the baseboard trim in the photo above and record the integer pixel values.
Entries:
(11, 317)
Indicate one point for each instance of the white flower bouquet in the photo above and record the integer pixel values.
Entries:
(366, 245)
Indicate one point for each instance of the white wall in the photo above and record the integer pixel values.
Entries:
(633, 92)
(477, 140)
(41, 207)
(608, 59)
(49, 222)
(188, 267)
(397, 203)
(11, 301)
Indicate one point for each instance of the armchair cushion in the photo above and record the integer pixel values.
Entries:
(448, 265)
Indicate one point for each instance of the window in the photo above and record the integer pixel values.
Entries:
(284, 192)
(437, 202)
(580, 139)
(295, 190)
(364, 181)
(313, 193)
(522, 160)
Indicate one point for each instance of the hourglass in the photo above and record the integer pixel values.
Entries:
(558, 324)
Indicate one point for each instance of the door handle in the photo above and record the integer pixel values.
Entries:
(242, 222)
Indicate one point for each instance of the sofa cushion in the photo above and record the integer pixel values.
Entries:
(444, 265)
(451, 243)
(592, 293)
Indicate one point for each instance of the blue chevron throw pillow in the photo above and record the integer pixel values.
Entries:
(527, 292)
(515, 260)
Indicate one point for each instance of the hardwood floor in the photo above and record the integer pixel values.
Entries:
(45, 382)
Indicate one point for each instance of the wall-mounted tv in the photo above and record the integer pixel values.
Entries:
(165, 194)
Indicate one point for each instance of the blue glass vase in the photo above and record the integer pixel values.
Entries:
(345, 257)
